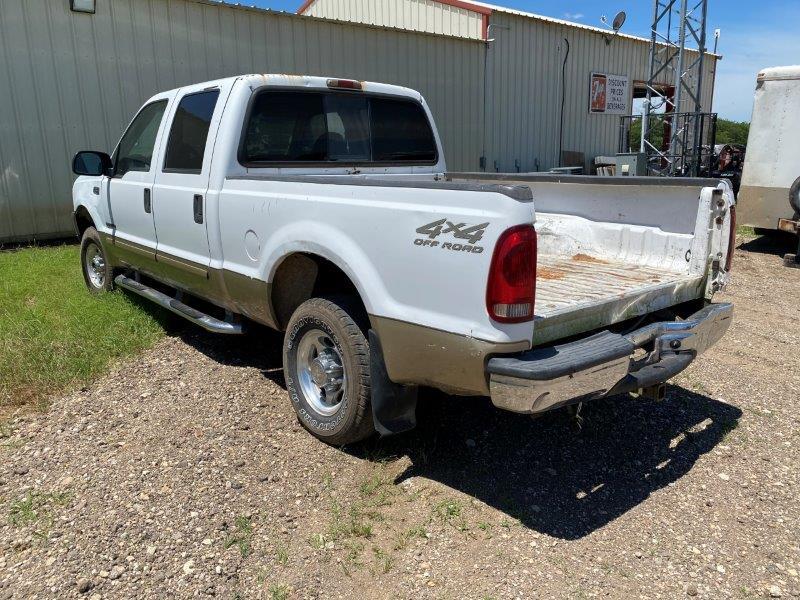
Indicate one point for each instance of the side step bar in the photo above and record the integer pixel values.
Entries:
(179, 308)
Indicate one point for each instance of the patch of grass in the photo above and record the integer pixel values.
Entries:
(507, 523)
(354, 524)
(317, 541)
(409, 534)
(384, 560)
(56, 335)
(6, 432)
(241, 536)
(281, 554)
(36, 508)
(345, 525)
(278, 592)
(745, 230)
(449, 511)
(378, 489)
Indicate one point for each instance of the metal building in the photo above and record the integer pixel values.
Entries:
(492, 76)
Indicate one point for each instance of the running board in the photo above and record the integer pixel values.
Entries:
(179, 308)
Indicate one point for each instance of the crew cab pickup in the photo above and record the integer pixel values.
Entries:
(323, 208)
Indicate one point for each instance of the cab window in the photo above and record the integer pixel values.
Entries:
(189, 133)
(135, 150)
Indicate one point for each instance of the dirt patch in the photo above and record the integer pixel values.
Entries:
(184, 473)
(589, 259)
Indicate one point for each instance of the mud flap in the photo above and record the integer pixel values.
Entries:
(394, 406)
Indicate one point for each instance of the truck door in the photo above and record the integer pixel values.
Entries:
(179, 193)
(130, 188)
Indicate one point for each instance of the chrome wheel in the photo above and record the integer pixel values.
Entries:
(320, 372)
(95, 265)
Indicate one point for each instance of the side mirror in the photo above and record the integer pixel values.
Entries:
(89, 162)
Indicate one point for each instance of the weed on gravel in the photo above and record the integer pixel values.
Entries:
(242, 536)
(36, 509)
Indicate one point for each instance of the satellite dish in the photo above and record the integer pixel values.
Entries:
(619, 21)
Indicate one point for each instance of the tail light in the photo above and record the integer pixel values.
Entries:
(511, 291)
(731, 240)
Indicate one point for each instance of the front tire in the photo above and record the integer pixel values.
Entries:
(326, 367)
(97, 271)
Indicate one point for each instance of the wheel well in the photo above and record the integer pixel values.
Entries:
(301, 277)
(83, 220)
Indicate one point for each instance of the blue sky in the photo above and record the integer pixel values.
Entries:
(754, 35)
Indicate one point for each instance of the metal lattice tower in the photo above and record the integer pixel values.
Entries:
(676, 22)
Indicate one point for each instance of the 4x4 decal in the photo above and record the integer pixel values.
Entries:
(461, 231)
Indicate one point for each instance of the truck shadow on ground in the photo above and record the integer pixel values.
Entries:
(542, 472)
(776, 244)
(552, 478)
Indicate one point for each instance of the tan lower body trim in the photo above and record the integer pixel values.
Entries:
(230, 290)
(185, 265)
(456, 364)
(124, 247)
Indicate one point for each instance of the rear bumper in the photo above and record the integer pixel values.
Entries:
(604, 364)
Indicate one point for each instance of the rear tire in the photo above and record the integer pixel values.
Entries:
(97, 272)
(326, 367)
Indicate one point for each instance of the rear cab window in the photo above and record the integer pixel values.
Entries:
(189, 133)
(304, 128)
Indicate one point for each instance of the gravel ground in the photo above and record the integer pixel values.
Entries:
(185, 473)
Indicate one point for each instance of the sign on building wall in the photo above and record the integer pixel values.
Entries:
(609, 94)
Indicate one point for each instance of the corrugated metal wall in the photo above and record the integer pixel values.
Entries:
(524, 79)
(72, 81)
(415, 15)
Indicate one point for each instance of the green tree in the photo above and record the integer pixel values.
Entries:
(728, 132)
(656, 133)
(732, 132)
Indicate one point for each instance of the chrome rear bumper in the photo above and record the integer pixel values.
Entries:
(602, 365)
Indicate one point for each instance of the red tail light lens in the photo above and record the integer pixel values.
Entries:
(731, 240)
(511, 291)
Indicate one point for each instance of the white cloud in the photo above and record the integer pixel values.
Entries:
(746, 52)
(573, 16)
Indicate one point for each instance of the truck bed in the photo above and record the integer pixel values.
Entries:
(612, 248)
(583, 292)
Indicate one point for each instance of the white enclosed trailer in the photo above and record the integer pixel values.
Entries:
(770, 193)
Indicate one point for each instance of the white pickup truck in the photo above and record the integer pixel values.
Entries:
(323, 208)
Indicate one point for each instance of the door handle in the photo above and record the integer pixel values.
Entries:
(198, 208)
(148, 204)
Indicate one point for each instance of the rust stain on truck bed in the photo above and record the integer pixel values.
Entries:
(590, 259)
(549, 273)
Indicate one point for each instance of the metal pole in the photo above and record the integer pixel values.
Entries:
(698, 107)
(650, 82)
(673, 145)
